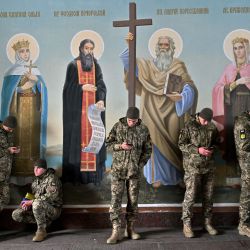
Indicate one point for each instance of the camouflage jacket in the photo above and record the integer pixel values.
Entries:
(6, 141)
(48, 187)
(193, 136)
(129, 163)
(242, 136)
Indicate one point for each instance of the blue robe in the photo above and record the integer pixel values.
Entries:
(9, 88)
(164, 170)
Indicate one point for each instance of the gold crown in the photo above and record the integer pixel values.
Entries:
(239, 40)
(21, 44)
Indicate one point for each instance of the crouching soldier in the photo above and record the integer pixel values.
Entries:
(197, 141)
(47, 203)
(242, 142)
(130, 141)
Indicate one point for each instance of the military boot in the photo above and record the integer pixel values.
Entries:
(115, 236)
(244, 230)
(187, 230)
(130, 233)
(209, 228)
(40, 235)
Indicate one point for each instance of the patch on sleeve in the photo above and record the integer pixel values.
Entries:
(242, 134)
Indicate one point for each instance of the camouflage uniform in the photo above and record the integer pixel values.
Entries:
(47, 204)
(6, 141)
(198, 169)
(242, 141)
(126, 166)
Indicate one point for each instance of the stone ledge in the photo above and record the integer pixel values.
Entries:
(98, 217)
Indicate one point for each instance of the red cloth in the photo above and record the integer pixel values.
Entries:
(88, 160)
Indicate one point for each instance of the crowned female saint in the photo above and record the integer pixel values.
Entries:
(24, 95)
(231, 93)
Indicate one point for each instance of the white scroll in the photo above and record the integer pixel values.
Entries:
(98, 130)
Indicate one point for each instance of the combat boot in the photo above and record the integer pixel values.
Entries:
(40, 235)
(244, 230)
(209, 228)
(187, 230)
(115, 236)
(130, 232)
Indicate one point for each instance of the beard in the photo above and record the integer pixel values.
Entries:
(163, 59)
(86, 61)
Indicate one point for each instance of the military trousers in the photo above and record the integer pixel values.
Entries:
(41, 213)
(192, 182)
(117, 189)
(4, 195)
(244, 208)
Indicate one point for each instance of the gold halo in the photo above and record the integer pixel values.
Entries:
(227, 44)
(87, 34)
(33, 46)
(165, 32)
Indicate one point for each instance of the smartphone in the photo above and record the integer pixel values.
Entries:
(210, 148)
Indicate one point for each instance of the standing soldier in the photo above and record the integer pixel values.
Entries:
(197, 141)
(242, 142)
(6, 156)
(46, 203)
(130, 141)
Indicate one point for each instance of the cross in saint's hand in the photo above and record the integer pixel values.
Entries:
(30, 66)
(132, 23)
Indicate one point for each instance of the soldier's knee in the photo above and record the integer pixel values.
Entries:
(37, 205)
(17, 215)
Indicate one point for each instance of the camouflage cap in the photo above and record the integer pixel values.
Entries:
(41, 163)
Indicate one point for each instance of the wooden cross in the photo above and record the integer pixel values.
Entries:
(30, 66)
(132, 23)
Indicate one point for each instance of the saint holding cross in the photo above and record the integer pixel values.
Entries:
(163, 114)
(24, 95)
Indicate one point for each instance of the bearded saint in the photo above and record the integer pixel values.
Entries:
(163, 115)
(83, 86)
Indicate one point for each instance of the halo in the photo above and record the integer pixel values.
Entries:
(165, 32)
(87, 34)
(227, 44)
(34, 47)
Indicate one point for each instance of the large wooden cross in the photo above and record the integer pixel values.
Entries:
(132, 23)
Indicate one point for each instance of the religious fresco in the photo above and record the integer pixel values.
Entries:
(24, 95)
(204, 34)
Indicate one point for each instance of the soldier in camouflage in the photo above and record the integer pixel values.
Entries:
(197, 141)
(130, 141)
(7, 150)
(242, 142)
(47, 203)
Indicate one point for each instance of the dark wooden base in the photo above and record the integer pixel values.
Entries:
(147, 217)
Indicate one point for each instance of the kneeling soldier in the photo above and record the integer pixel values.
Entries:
(47, 202)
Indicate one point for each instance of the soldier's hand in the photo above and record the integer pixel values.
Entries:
(204, 151)
(12, 150)
(26, 204)
(126, 146)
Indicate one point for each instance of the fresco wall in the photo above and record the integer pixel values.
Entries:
(203, 32)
